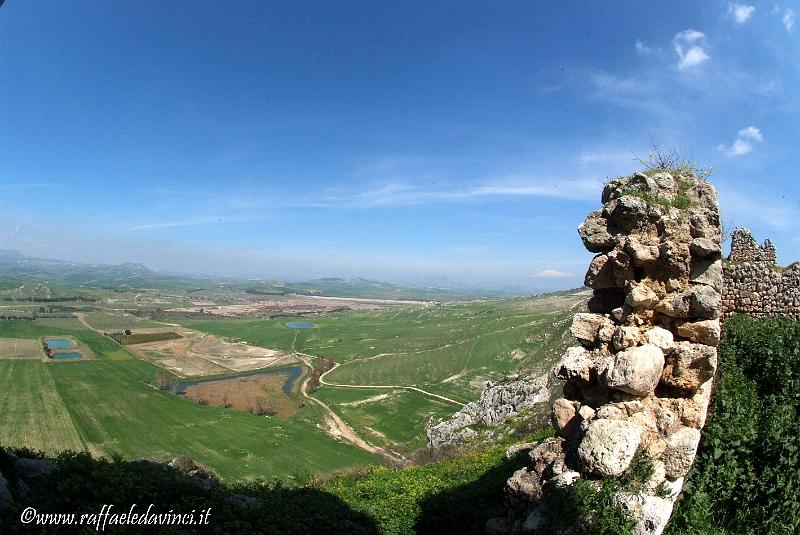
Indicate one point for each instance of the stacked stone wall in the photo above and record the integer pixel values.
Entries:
(744, 248)
(641, 378)
(754, 285)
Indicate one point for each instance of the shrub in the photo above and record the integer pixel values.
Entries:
(746, 476)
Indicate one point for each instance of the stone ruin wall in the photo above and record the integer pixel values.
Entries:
(640, 380)
(754, 284)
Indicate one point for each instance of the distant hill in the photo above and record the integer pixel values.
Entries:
(25, 276)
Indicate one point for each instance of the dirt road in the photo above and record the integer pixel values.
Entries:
(342, 428)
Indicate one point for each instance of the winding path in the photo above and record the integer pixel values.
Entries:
(404, 387)
(341, 426)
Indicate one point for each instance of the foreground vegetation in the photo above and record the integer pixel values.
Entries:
(457, 495)
(746, 479)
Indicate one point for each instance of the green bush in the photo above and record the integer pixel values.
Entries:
(746, 479)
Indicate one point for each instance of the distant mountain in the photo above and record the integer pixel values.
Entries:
(17, 266)
(17, 269)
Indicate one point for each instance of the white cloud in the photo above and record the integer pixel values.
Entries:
(743, 144)
(741, 12)
(515, 185)
(751, 132)
(690, 47)
(552, 274)
(641, 47)
(788, 19)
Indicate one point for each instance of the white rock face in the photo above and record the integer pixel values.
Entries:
(609, 446)
(706, 332)
(496, 404)
(660, 337)
(651, 512)
(681, 449)
(637, 370)
(640, 296)
(589, 328)
(576, 363)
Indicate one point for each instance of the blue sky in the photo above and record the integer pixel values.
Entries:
(405, 141)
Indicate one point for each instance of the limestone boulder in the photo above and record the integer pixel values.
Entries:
(629, 212)
(577, 363)
(708, 332)
(637, 370)
(523, 489)
(708, 272)
(625, 337)
(641, 255)
(640, 296)
(589, 329)
(659, 337)
(680, 453)
(594, 233)
(548, 457)
(699, 301)
(651, 513)
(705, 248)
(608, 446)
(688, 366)
(564, 479)
(563, 418)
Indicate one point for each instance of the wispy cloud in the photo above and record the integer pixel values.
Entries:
(27, 185)
(552, 274)
(641, 47)
(788, 19)
(171, 224)
(691, 48)
(743, 144)
(518, 185)
(741, 13)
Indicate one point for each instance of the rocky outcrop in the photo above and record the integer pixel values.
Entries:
(497, 403)
(18, 473)
(640, 380)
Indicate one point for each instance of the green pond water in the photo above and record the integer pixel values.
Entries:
(59, 343)
(67, 355)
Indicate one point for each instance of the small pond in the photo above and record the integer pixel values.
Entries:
(300, 325)
(292, 374)
(66, 355)
(60, 343)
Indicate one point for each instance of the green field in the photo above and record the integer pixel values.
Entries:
(104, 406)
(449, 350)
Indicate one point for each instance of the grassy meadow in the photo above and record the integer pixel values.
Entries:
(105, 407)
(449, 350)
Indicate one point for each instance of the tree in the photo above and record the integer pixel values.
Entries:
(263, 406)
(161, 380)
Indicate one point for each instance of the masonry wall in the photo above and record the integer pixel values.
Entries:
(753, 284)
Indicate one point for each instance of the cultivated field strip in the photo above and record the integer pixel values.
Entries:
(32, 412)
